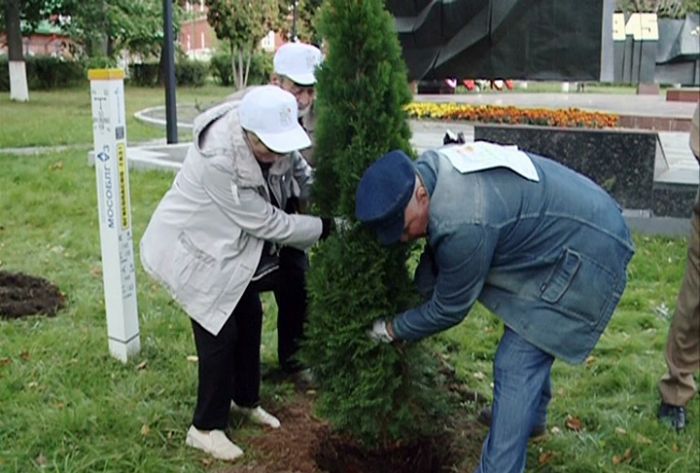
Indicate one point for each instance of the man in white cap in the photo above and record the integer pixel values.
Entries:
(294, 67)
(295, 71)
(212, 242)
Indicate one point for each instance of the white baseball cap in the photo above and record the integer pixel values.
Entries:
(271, 113)
(298, 61)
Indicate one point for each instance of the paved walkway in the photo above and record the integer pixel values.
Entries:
(681, 166)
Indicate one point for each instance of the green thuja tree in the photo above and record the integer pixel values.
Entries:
(378, 393)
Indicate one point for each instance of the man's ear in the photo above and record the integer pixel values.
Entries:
(275, 79)
(421, 193)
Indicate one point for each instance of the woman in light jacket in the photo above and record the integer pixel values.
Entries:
(213, 240)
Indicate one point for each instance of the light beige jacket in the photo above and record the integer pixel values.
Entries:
(205, 238)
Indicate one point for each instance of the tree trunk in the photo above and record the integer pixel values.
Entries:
(110, 46)
(18, 72)
(14, 34)
(161, 68)
(247, 65)
(234, 69)
(247, 68)
(241, 83)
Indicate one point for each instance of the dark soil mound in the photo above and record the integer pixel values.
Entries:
(339, 455)
(291, 448)
(306, 444)
(22, 295)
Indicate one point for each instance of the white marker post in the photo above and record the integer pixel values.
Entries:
(109, 130)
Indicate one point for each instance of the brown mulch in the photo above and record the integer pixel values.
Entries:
(22, 295)
(306, 444)
(293, 447)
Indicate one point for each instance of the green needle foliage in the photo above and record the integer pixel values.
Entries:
(376, 392)
(362, 89)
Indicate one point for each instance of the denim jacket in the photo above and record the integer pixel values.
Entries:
(549, 257)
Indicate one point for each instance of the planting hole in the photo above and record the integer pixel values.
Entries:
(339, 455)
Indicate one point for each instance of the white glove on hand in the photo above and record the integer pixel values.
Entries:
(379, 332)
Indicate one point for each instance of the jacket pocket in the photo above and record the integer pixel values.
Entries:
(194, 268)
(580, 288)
(560, 279)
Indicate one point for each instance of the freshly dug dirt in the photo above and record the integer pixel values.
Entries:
(306, 444)
(339, 455)
(291, 448)
(21, 294)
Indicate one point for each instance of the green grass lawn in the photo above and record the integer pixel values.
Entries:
(67, 406)
(64, 117)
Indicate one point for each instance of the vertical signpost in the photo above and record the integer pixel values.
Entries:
(109, 130)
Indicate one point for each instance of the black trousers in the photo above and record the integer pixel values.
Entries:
(229, 364)
(291, 298)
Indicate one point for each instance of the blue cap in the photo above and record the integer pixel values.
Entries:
(384, 192)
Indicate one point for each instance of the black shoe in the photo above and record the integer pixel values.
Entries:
(484, 418)
(304, 380)
(673, 415)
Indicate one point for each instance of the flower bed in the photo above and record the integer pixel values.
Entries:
(570, 117)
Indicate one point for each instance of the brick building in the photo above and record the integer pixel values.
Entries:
(198, 40)
(47, 40)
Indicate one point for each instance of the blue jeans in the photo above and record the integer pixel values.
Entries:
(521, 393)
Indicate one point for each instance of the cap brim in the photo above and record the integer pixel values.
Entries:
(390, 230)
(286, 141)
(303, 79)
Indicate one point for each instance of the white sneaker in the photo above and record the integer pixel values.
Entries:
(257, 415)
(213, 442)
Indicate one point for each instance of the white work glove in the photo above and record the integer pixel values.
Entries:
(379, 332)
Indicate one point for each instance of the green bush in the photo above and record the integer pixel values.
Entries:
(144, 74)
(187, 72)
(220, 68)
(52, 72)
(260, 68)
(378, 393)
(99, 62)
(46, 72)
(191, 73)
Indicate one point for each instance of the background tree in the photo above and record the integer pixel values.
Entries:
(105, 28)
(17, 69)
(31, 12)
(377, 392)
(100, 27)
(663, 8)
(242, 23)
(306, 11)
(21, 17)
